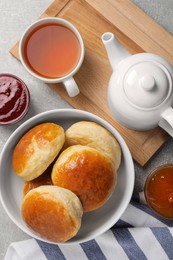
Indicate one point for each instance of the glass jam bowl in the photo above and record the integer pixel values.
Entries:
(14, 99)
(158, 191)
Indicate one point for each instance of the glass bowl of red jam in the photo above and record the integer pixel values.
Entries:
(158, 191)
(14, 99)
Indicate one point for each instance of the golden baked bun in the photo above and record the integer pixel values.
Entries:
(53, 213)
(37, 149)
(43, 179)
(86, 172)
(96, 136)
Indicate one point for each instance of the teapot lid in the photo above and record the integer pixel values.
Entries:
(147, 84)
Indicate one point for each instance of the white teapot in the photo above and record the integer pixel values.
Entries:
(140, 92)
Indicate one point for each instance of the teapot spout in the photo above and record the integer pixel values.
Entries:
(115, 50)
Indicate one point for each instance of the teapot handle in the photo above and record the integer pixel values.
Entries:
(166, 121)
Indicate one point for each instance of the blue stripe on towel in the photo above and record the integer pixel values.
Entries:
(51, 251)
(122, 224)
(128, 244)
(92, 250)
(165, 239)
(146, 209)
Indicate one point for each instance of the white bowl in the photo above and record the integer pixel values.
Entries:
(93, 223)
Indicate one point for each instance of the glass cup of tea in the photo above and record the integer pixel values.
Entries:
(158, 191)
(52, 50)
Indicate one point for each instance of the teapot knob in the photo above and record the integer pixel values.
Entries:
(147, 82)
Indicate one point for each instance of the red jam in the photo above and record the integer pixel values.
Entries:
(14, 99)
(159, 191)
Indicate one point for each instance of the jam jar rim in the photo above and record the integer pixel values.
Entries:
(27, 100)
(156, 169)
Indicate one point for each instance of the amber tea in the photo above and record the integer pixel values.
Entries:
(52, 50)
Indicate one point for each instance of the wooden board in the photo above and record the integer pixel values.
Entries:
(136, 31)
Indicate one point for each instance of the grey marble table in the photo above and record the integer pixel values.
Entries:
(15, 16)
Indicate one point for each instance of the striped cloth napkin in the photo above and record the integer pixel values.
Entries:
(140, 234)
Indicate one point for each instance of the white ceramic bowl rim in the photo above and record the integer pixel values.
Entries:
(128, 159)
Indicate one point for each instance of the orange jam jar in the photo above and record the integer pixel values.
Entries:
(158, 191)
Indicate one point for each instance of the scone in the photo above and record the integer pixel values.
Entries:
(43, 179)
(53, 213)
(88, 173)
(37, 149)
(96, 136)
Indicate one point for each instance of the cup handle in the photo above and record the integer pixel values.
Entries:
(166, 121)
(71, 87)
